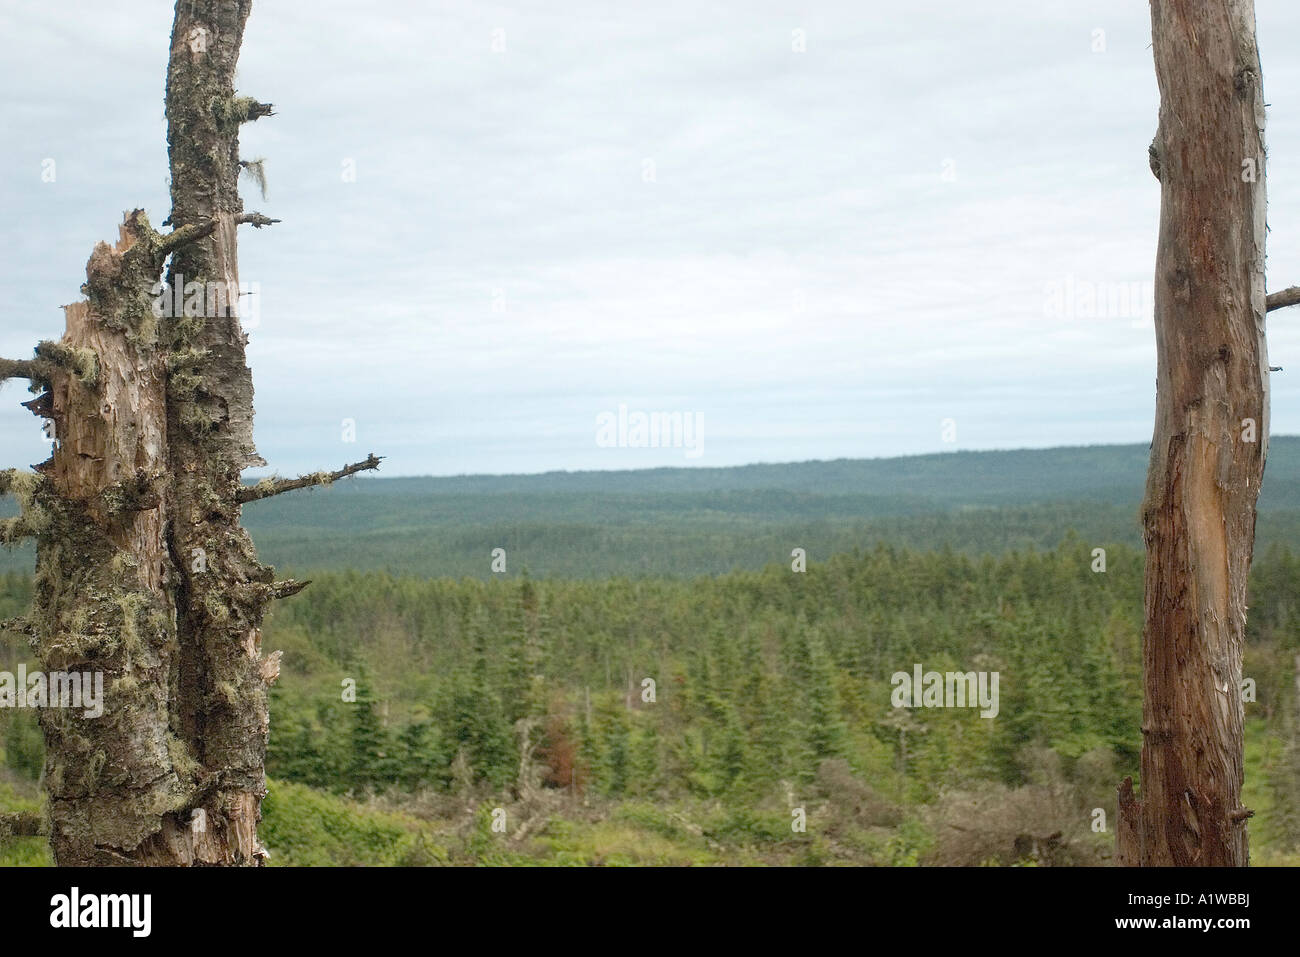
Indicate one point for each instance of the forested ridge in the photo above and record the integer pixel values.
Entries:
(525, 698)
(681, 523)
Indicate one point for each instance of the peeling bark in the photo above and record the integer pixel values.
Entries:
(101, 596)
(144, 573)
(1210, 440)
(222, 588)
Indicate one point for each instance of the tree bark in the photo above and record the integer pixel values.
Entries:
(1210, 440)
(144, 574)
(222, 589)
(102, 597)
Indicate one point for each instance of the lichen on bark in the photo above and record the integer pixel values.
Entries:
(143, 573)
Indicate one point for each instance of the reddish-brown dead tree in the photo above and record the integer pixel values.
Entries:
(1210, 440)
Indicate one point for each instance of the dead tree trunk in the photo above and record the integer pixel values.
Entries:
(144, 573)
(221, 588)
(1210, 440)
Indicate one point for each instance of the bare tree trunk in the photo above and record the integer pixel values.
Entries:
(102, 601)
(222, 589)
(144, 573)
(1211, 436)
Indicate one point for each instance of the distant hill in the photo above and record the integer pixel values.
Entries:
(691, 521)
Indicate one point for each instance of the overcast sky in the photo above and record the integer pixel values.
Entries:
(819, 228)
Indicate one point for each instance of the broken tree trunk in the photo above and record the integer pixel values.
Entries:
(101, 598)
(222, 588)
(144, 574)
(1210, 440)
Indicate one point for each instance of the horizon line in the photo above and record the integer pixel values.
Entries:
(760, 464)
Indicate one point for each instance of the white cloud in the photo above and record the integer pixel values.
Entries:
(798, 272)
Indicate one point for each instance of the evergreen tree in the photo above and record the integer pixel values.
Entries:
(826, 730)
(423, 758)
(478, 722)
(371, 765)
(524, 685)
(733, 751)
(616, 752)
(646, 771)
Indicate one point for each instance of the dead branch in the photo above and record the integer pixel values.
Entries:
(288, 588)
(193, 233)
(268, 487)
(1283, 298)
(249, 110)
(696, 830)
(83, 363)
(15, 530)
(19, 369)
